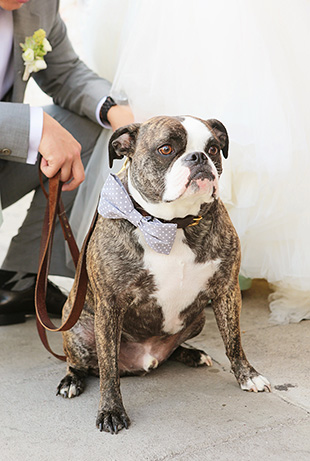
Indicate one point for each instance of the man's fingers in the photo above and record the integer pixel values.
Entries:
(74, 173)
(60, 151)
(47, 169)
(66, 172)
(77, 174)
(51, 170)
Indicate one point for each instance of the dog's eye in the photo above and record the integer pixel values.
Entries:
(165, 150)
(213, 150)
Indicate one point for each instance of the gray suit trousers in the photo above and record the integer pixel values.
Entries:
(18, 179)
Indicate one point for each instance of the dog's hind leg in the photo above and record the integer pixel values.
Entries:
(187, 354)
(191, 356)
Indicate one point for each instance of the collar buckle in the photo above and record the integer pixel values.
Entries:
(196, 221)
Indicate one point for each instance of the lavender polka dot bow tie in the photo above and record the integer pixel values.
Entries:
(115, 203)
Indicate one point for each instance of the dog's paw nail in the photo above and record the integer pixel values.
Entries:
(256, 384)
(112, 422)
(205, 360)
(262, 383)
(110, 426)
(72, 391)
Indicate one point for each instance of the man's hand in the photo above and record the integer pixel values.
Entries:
(60, 151)
(119, 116)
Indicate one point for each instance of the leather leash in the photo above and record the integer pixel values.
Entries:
(55, 207)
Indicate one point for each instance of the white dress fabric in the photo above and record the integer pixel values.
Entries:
(248, 65)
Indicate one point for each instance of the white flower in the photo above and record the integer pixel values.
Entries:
(47, 46)
(28, 55)
(34, 49)
(39, 64)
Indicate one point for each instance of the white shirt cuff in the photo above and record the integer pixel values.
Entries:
(105, 125)
(35, 133)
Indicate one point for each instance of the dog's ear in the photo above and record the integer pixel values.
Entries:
(122, 142)
(221, 133)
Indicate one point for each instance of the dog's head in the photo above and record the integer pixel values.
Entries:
(175, 162)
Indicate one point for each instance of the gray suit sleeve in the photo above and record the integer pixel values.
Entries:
(67, 79)
(14, 129)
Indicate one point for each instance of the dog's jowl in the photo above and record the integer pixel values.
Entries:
(163, 246)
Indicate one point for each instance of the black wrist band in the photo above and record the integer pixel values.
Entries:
(106, 106)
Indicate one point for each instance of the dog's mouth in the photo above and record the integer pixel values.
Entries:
(200, 175)
(201, 182)
(195, 183)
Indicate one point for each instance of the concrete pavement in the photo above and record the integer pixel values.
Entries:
(177, 413)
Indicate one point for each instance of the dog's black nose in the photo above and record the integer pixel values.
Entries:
(196, 158)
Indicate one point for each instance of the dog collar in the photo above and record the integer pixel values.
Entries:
(182, 223)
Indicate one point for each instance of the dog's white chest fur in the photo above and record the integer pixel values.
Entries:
(178, 278)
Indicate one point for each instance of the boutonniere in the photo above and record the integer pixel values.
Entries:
(34, 50)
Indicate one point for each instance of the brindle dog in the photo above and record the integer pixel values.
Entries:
(142, 305)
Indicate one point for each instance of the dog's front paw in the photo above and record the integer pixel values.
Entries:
(70, 386)
(257, 383)
(112, 420)
(248, 378)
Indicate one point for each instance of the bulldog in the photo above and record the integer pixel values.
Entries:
(163, 246)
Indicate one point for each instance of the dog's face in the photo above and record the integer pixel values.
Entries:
(175, 163)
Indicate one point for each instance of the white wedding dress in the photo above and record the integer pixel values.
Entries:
(248, 65)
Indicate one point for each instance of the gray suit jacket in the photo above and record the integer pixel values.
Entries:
(67, 80)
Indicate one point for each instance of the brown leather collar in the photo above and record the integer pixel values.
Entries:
(182, 223)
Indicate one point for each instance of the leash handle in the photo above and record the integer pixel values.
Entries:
(55, 207)
(56, 185)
